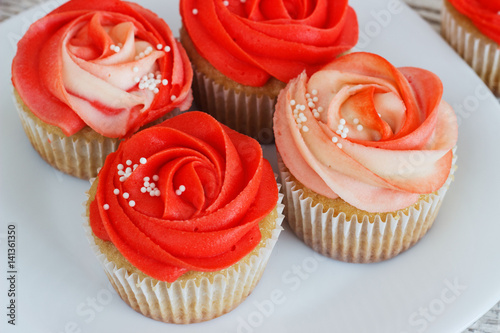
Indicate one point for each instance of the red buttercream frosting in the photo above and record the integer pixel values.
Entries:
(187, 194)
(251, 41)
(483, 13)
(111, 65)
(362, 130)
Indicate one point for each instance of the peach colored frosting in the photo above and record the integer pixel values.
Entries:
(187, 194)
(110, 65)
(483, 13)
(253, 40)
(362, 130)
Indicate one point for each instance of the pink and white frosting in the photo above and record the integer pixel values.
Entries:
(360, 129)
(111, 65)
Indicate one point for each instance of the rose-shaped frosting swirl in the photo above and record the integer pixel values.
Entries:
(483, 13)
(110, 65)
(360, 129)
(251, 41)
(187, 194)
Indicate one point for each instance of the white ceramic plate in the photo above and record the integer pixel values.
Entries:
(443, 284)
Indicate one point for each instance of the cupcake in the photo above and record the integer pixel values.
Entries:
(244, 53)
(472, 28)
(91, 73)
(366, 156)
(183, 218)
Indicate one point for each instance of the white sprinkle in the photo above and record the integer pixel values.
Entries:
(143, 189)
(156, 90)
(157, 192)
(159, 46)
(151, 75)
(314, 92)
(126, 195)
(146, 183)
(167, 48)
(152, 185)
(355, 121)
(335, 139)
(338, 132)
(343, 135)
(195, 11)
(316, 114)
(339, 145)
(340, 127)
(131, 203)
(359, 127)
(137, 79)
(151, 193)
(141, 55)
(156, 177)
(173, 97)
(141, 86)
(320, 109)
(128, 162)
(112, 47)
(342, 121)
(117, 49)
(121, 172)
(128, 170)
(116, 191)
(182, 188)
(305, 128)
(345, 130)
(105, 206)
(146, 179)
(123, 178)
(164, 82)
(148, 189)
(178, 192)
(135, 166)
(119, 166)
(302, 107)
(135, 69)
(315, 99)
(311, 104)
(308, 95)
(292, 102)
(143, 160)
(226, 3)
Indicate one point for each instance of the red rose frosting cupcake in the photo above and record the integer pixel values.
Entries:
(183, 217)
(93, 72)
(244, 53)
(366, 154)
(472, 28)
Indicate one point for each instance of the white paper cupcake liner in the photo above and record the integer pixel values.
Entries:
(188, 302)
(76, 156)
(249, 114)
(354, 240)
(482, 54)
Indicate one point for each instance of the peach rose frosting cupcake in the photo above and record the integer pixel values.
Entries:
(189, 208)
(369, 135)
(110, 66)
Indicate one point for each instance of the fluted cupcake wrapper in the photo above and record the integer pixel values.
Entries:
(75, 156)
(189, 302)
(481, 53)
(356, 240)
(246, 113)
